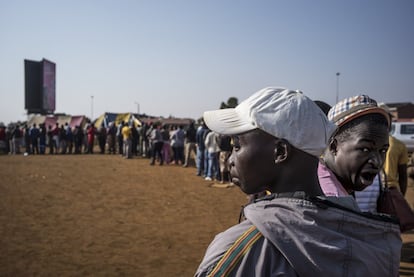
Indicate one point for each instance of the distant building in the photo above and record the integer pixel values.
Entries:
(402, 111)
(171, 121)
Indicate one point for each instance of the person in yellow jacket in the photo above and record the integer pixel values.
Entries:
(395, 165)
(126, 136)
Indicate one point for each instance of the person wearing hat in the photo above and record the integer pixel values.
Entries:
(395, 166)
(278, 137)
(396, 161)
(356, 151)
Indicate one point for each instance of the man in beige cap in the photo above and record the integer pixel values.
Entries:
(356, 152)
(278, 136)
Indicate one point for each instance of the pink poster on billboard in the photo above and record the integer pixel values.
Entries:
(49, 86)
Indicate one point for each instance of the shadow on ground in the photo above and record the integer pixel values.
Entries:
(407, 257)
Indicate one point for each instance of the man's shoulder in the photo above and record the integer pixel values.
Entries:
(221, 244)
(232, 233)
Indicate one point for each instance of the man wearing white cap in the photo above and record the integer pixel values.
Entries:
(278, 136)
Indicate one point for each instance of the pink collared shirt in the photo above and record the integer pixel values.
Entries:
(329, 183)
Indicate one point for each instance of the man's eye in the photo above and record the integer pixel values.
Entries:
(235, 143)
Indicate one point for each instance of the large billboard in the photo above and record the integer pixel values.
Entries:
(33, 86)
(49, 86)
(40, 86)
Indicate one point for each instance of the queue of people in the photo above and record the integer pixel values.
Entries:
(161, 143)
(212, 153)
(40, 140)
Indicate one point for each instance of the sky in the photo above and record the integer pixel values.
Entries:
(180, 58)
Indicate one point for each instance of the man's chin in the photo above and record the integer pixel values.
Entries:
(363, 184)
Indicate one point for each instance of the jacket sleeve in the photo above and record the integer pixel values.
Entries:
(262, 258)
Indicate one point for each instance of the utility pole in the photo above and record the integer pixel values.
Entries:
(136, 103)
(337, 86)
(91, 107)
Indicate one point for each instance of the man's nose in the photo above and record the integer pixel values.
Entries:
(376, 159)
(230, 161)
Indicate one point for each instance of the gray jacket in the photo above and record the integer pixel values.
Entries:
(323, 237)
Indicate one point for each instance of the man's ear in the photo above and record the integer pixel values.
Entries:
(333, 146)
(281, 151)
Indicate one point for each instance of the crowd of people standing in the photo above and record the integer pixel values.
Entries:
(40, 140)
(163, 144)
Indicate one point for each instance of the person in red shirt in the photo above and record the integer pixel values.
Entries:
(91, 138)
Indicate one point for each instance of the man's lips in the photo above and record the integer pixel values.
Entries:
(368, 176)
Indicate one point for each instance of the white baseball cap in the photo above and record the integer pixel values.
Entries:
(280, 112)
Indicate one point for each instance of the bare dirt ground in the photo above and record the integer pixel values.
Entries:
(102, 215)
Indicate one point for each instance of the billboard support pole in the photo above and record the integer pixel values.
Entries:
(91, 108)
